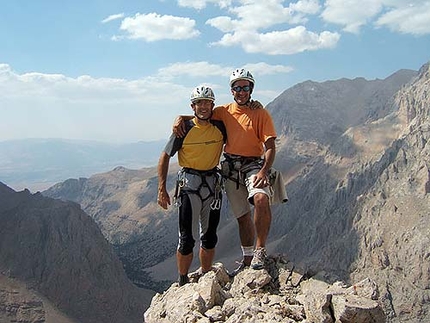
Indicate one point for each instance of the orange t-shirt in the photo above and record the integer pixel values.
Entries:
(247, 130)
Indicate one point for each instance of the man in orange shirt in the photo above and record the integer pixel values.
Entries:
(249, 154)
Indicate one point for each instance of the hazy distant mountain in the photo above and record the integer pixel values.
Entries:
(53, 257)
(355, 157)
(37, 164)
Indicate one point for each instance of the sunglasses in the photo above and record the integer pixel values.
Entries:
(245, 88)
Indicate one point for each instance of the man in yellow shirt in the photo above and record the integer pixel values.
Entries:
(198, 190)
(249, 154)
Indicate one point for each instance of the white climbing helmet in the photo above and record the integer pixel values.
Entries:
(241, 74)
(202, 93)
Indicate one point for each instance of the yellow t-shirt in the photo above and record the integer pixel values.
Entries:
(247, 129)
(201, 148)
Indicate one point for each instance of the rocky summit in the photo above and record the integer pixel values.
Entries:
(278, 293)
(355, 158)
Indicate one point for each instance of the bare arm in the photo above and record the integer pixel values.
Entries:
(179, 125)
(261, 179)
(163, 198)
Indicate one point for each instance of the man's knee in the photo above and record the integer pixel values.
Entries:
(186, 246)
(261, 200)
(209, 241)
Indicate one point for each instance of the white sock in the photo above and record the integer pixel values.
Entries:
(247, 251)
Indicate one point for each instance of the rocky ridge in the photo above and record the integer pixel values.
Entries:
(359, 207)
(278, 293)
(395, 248)
(57, 251)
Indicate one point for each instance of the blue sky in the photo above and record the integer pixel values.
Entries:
(120, 71)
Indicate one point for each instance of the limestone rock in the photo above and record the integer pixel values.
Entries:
(262, 296)
(19, 307)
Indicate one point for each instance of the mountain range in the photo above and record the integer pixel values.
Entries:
(354, 154)
(56, 266)
(37, 164)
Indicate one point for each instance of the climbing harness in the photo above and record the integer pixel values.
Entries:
(186, 185)
(236, 167)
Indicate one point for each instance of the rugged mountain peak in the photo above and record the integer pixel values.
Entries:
(320, 112)
(57, 250)
(414, 101)
(278, 293)
(4, 189)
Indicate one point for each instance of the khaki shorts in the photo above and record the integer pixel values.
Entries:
(241, 196)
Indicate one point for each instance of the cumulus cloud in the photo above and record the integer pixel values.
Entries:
(292, 41)
(274, 13)
(276, 27)
(245, 31)
(310, 7)
(153, 27)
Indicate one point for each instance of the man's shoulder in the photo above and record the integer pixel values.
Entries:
(217, 123)
(189, 124)
(220, 126)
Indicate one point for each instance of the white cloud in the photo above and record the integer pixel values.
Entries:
(245, 30)
(152, 27)
(311, 7)
(275, 28)
(270, 13)
(87, 107)
(411, 19)
(109, 109)
(351, 14)
(267, 69)
(205, 69)
(201, 4)
(195, 69)
(113, 17)
(292, 41)
(222, 23)
(402, 16)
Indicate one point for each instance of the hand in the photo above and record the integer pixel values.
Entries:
(179, 127)
(163, 198)
(254, 105)
(260, 180)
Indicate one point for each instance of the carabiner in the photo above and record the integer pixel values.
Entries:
(216, 204)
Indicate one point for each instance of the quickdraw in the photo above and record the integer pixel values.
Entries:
(180, 183)
(216, 203)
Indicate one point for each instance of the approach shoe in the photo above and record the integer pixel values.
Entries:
(259, 258)
(183, 279)
(240, 268)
